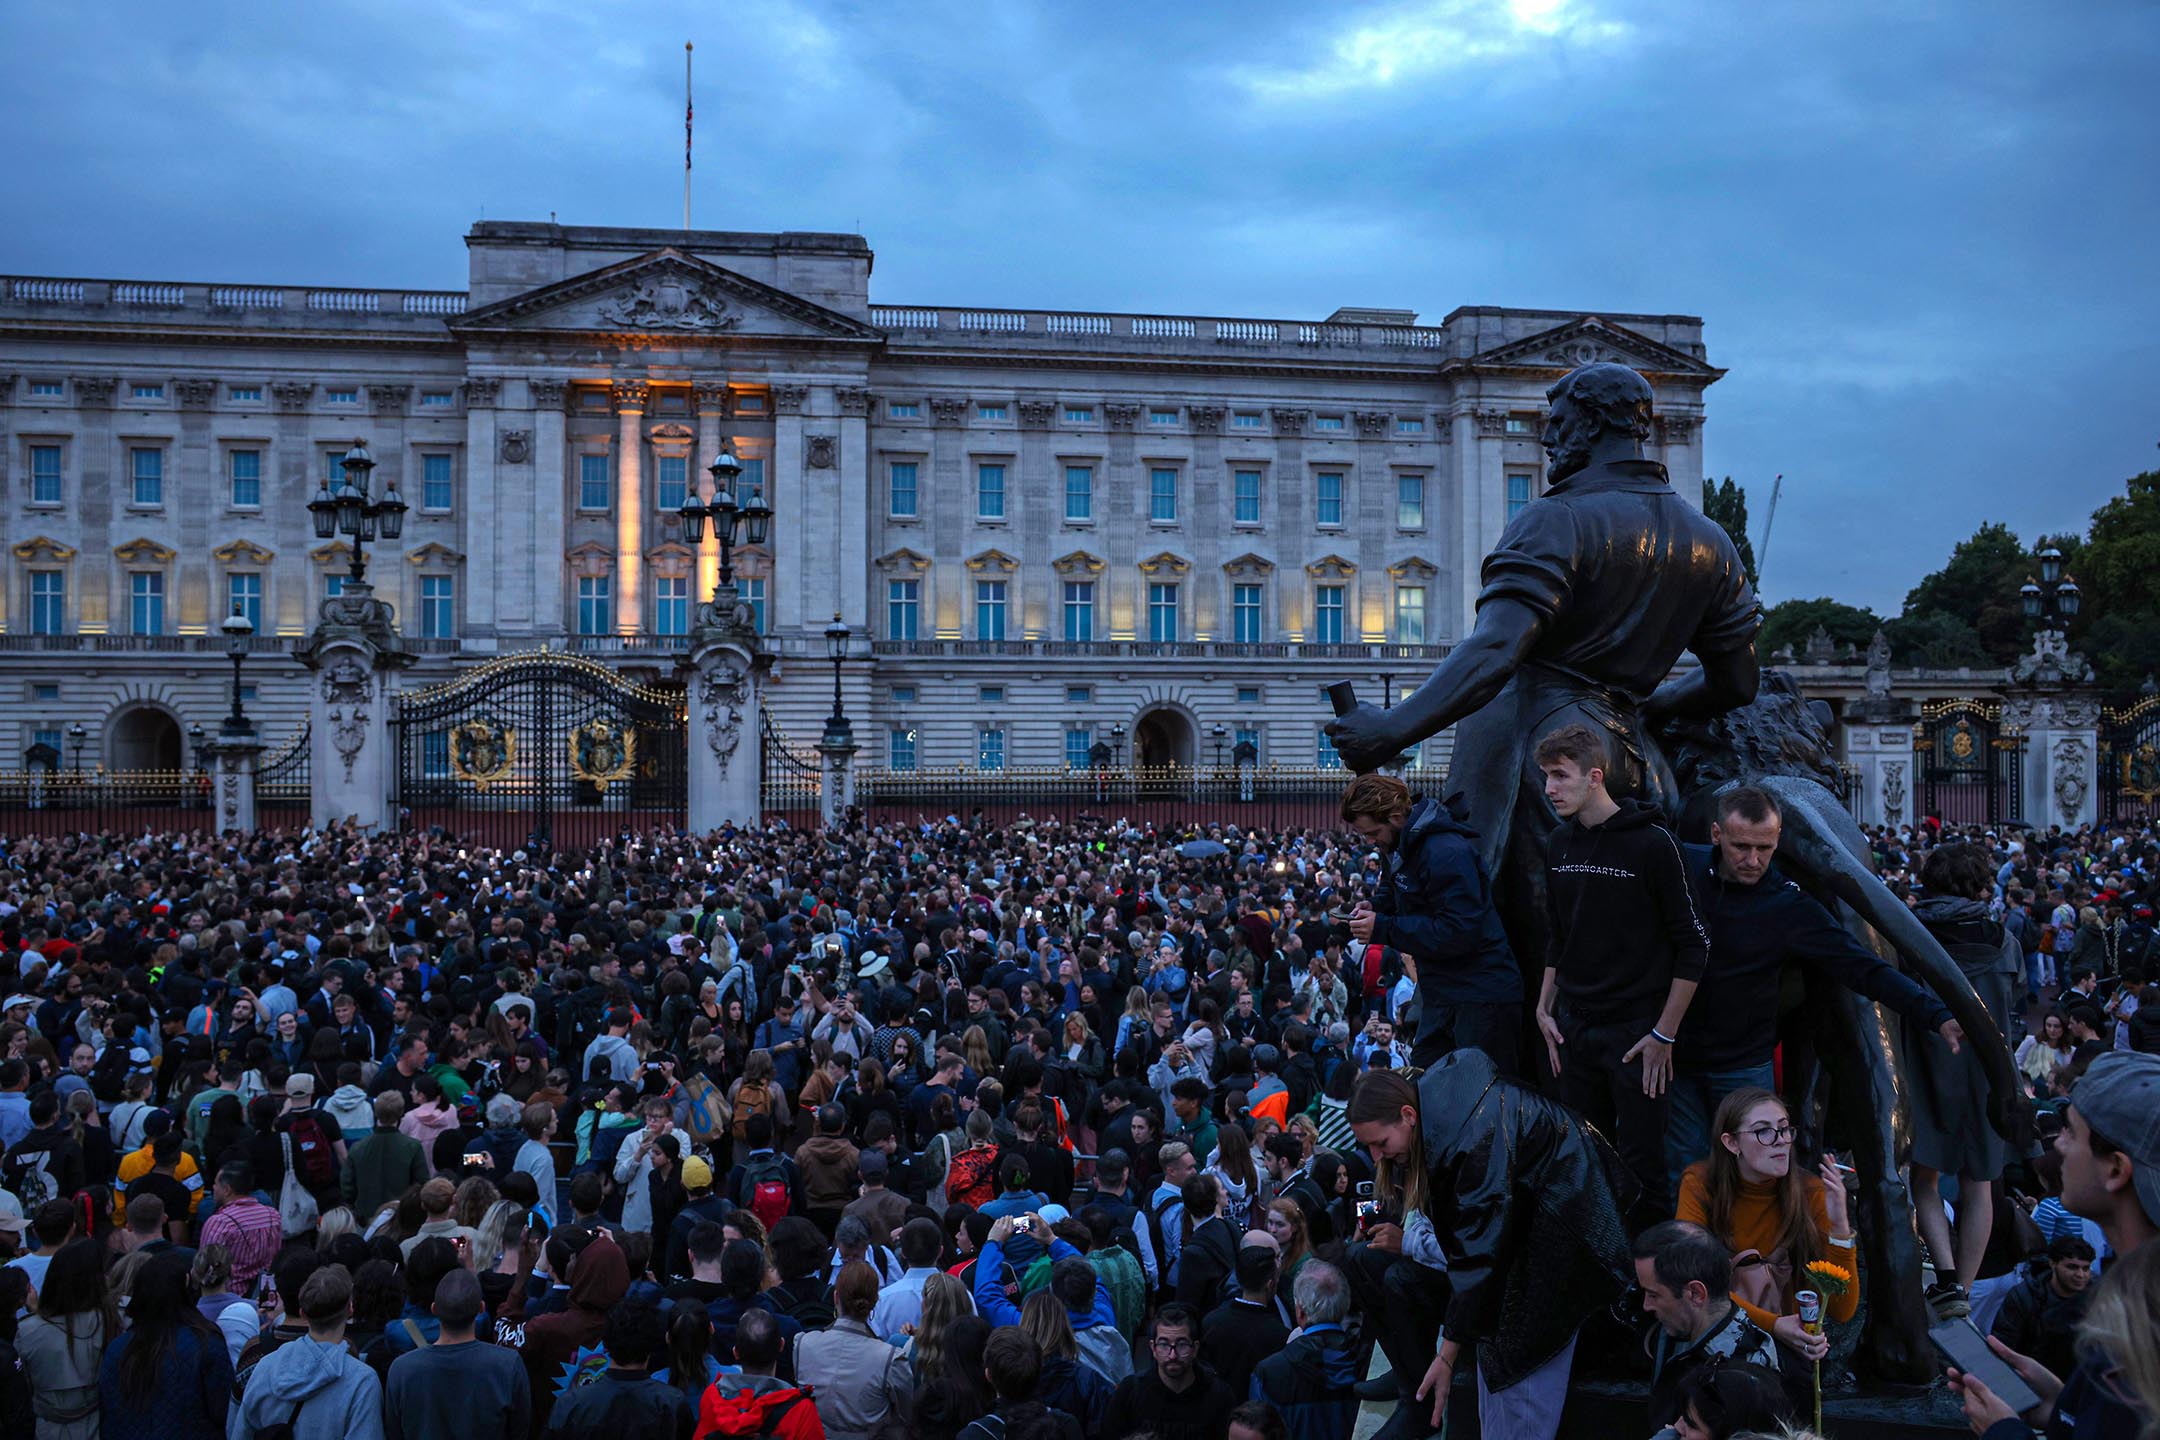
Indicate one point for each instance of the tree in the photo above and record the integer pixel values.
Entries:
(2120, 564)
(1976, 589)
(1791, 622)
(1727, 504)
(1936, 639)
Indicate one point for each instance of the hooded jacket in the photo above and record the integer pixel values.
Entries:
(1312, 1383)
(1525, 1199)
(745, 1404)
(351, 1111)
(827, 1164)
(599, 1278)
(1754, 930)
(1436, 906)
(336, 1395)
(1624, 920)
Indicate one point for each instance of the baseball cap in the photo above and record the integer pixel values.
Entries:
(300, 1084)
(696, 1174)
(2119, 1096)
(15, 1000)
(1053, 1213)
(872, 1163)
(1265, 1057)
(11, 1213)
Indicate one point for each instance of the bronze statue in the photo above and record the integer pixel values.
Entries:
(1588, 601)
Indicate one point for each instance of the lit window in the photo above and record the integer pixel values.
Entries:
(1410, 614)
(435, 482)
(900, 750)
(990, 412)
(901, 483)
(1079, 415)
(147, 392)
(148, 469)
(595, 605)
(1328, 497)
(243, 468)
(671, 605)
(904, 410)
(48, 602)
(1080, 611)
(1162, 605)
(243, 393)
(438, 607)
(671, 482)
(1162, 496)
(1078, 741)
(1328, 614)
(45, 474)
(1409, 502)
(1518, 425)
(903, 608)
(1079, 492)
(990, 748)
(1245, 614)
(1246, 504)
(593, 487)
(1518, 494)
(990, 492)
(243, 595)
(146, 603)
(989, 609)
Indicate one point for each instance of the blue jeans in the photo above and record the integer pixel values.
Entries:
(1695, 1096)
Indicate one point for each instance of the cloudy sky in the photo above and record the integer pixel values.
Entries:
(1922, 235)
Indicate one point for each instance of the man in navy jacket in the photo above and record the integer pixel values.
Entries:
(1759, 921)
(1435, 905)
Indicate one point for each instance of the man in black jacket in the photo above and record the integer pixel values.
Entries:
(2040, 1317)
(1759, 920)
(1435, 905)
(1628, 948)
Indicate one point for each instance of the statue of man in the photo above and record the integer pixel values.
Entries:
(1587, 602)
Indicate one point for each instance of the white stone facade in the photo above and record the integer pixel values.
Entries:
(159, 442)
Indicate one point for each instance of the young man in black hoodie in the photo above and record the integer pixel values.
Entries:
(1628, 948)
(1435, 905)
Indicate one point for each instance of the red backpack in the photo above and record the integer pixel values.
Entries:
(314, 1159)
(766, 1179)
(970, 1181)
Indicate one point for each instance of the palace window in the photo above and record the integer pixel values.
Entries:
(243, 394)
(1410, 614)
(903, 609)
(900, 488)
(147, 392)
(990, 748)
(1079, 492)
(1162, 607)
(243, 596)
(1162, 496)
(147, 467)
(671, 482)
(146, 603)
(1245, 504)
(1409, 502)
(438, 607)
(243, 472)
(1080, 611)
(753, 594)
(1324, 752)
(990, 412)
(48, 388)
(48, 602)
(595, 605)
(1248, 694)
(904, 410)
(45, 474)
(1327, 422)
(1246, 420)
(989, 609)
(1518, 494)
(435, 482)
(1079, 415)
(1078, 741)
(671, 605)
(900, 749)
(990, 492)
(593, 485)
(1327, 492)
(1328, 614)
(1246, 613)
(1409, 425)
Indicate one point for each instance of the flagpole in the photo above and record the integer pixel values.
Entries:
(687, 114)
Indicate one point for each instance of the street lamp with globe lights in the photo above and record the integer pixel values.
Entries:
(238, 629)
(352, 512)
(838, 730)
(729, 516)
(77, 735)
(2054, 600)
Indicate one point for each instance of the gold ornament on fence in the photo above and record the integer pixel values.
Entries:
(602, 752)
(482, 752)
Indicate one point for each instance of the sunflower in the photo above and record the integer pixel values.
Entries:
(1830, 1279)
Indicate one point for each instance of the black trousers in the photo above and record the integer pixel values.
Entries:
(1445, 1026)
(1404, 1304)
(1605, 1090)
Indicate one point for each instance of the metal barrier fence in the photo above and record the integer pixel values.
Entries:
(1273, 797)
(127, 802)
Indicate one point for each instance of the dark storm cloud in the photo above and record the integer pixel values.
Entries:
(1919, 234)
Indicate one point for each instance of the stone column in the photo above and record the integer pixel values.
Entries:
(837, 749)
(724, 675)
(356, 651)
(2057, 715)
(1881, 752)
(481, 508)
(629, 506)
(551, 503)
(232, 757)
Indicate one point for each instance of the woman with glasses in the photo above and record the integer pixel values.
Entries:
(1773, 1214)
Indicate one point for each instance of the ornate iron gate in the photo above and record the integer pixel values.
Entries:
(283, 787)
(792, 785)
(2130, 761)
(1970, 763)
(541, 749)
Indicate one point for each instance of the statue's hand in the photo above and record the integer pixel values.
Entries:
(1364, 738)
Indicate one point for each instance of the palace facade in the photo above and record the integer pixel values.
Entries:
(1046, 529)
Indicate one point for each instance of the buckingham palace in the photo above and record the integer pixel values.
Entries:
(1043, 528)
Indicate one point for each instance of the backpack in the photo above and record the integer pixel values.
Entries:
(812, 1312)
(969, 1181)
(753, 1098)
(314, 1158)
(28, 1173)
(766, 1181)
(709, 1115)
(1157, 1204)
(743, 1413)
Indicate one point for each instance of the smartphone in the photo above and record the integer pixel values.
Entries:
(476, 1159)
(1960, 1343)
(1342, 695)
(1364, 1189)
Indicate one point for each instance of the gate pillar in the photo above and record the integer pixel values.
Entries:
(2053, 704)
(725, 678)
(232, 759)
(356, 652)
(836, 749)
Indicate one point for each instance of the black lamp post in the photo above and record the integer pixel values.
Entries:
(1218, 732)
(354, 513)
(1117, 744)
(837, 728)
(195, 744)
(238, 629)
(729, 517)
(2054, 600)
(76, 736)
(1387, 690)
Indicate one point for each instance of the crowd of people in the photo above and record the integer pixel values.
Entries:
(1037, 1130)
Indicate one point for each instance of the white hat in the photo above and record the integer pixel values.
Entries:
(15, 1000)
(875, 965)
(11, 1213)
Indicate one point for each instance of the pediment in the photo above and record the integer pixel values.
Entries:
(664, 295)
(1331, 567)
(1416, 567)
(1590, 340)
(995, 560)
(43, 547)
(337, 552)
(434, 553)
(242, 552)
(135, 552)
(1079, 562)
(1249, 564)
(1165, 563)
(905, 560)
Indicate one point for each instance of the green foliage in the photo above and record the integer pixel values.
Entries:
(1978, 589)
(1727, 504)
(1791, 622)
(1936, 638)
(2122, 559)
